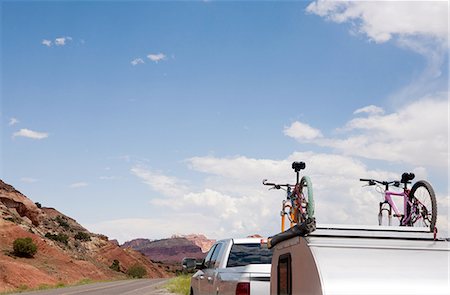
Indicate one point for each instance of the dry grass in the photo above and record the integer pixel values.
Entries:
(180, 284)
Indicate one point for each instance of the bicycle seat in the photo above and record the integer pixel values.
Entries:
(407, 177)
(297, 166)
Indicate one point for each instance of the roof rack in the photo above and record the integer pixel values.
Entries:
(376, 232)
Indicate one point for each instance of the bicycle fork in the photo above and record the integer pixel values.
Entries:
(380, 213)
(283, 214)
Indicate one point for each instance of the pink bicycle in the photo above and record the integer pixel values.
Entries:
(419, 207)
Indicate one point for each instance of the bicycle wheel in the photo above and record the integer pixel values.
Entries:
(423, 211)
(307, 191)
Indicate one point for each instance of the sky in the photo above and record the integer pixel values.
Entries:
(152, 118)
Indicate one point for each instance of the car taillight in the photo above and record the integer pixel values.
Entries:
(243, 289)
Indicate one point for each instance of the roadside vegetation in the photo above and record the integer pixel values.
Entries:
(180, 284)
(137, 271)
(24, 247)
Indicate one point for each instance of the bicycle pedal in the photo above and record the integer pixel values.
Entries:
(398, 215)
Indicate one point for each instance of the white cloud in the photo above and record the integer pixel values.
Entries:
(78, 184)
(28, 179)
(156, 57)
(382, 21)
(30, 134)
(46, 42)
(371, 110)
(302, 131)
(417, 134)
(61, 41)
(137, 61)
(159, 182)
(13, 121)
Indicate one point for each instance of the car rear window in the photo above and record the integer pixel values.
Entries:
(244, 254)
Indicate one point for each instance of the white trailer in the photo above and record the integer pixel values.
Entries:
(359, 260)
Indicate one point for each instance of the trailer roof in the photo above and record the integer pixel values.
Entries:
(379, 260)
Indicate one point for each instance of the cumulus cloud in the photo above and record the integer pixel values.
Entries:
(137, 61)
(46, 42)
(13, 121)
(159, 182)
(61, 41)
(30, 134)
(78, 184)
(302, 131)
(417, 134)
(156, 57)
(371, 110)
(382, 21)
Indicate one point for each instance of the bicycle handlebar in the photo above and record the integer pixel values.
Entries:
(385, 183)
(277, 186)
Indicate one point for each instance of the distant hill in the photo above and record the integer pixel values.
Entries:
(67, 252)
(174, 249)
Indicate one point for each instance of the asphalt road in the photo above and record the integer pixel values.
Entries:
(127, 287)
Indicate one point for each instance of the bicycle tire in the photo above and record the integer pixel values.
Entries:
(422, 186)
(305, 182)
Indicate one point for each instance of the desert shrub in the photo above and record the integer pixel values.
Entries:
(137, 271)
(38, 205)
(82, 236)
(62, 221)
(115, 265)
(24, 247)
(59, 237)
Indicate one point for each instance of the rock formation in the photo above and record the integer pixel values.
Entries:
(174, 249)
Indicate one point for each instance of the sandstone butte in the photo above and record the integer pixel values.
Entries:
(57, 262)
(172, 250)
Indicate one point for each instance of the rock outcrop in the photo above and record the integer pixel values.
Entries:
(67, 252)
(16, 202)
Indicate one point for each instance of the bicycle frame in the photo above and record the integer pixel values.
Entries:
(292, 205)
(388, 198)
(402, 217)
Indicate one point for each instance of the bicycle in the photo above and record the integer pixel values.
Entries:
(299, 203)
(419, 203)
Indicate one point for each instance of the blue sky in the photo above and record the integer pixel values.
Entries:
(124, 115)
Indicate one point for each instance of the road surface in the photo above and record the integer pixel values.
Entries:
(127, 287)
